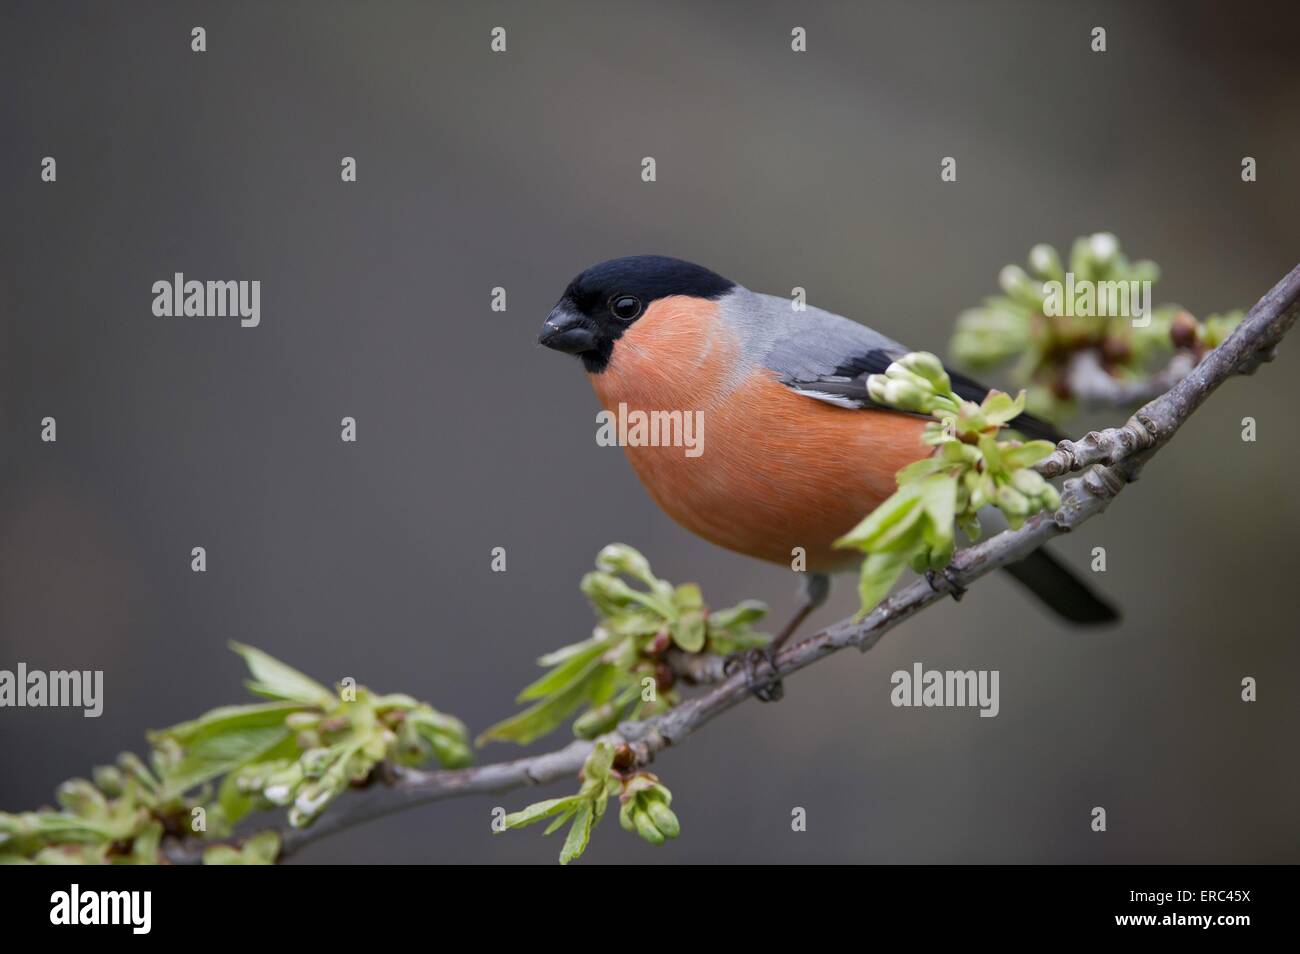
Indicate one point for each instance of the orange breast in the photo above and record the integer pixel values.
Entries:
(777, 470)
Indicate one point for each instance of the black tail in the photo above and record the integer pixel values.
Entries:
(1061, 591)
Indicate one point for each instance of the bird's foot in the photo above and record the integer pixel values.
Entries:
(953, 587)
(765, 687)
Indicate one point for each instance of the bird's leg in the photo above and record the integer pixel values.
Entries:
(953, 587)
(812, 593)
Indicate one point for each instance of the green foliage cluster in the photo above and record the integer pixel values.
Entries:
(1027, 325)
(970, 468)
(643, 804)
(119, 818)
(299, 749)
(620, 672)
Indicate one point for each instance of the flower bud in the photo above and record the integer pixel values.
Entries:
(1045, 262)
(903, 395)
(109, 780)
(664, 677)
(624, 757)
(1012, 502)
(621, 558)
(314, 762)
(928, 367)
(1103, 246)
(1028, 482)
(662, 641)
(1145, 271)
(663, 818)
(280, 787)
(81, 798)
(1020, 287)
(981, 487)
(596, 721)
(1116, 349)
(609, 593)
(312, 799)
(451, 752)
(645, 827)
(1183, 330)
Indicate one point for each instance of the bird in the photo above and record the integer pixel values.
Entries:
(795, 451)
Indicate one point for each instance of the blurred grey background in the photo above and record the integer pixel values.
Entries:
(477, 170)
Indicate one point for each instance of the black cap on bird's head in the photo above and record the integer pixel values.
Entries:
(602, 302)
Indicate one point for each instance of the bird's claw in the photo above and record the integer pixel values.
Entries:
(769, 688)
(953, 587)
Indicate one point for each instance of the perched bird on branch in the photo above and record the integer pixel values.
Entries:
(794, 451)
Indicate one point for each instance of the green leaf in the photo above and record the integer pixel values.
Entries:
(890, 520)
(597, 767)
(939, 495)
(226, 719)
(879, 573)
(633, 623)
(562, 675)
(574, 649)
(959, 453)
(742, 614)
(221, 855)
(999, 407)
(920, 468)
(273, 678)
(263, 848)
(992, 454)
(688, 632)
(579, 835)
(236, 804)
(561, 818)
(688, 597)
(215, 755)
(538, 720)
(1026, 455)
(621, 558)
(543, 809)
(597, 720)
(223, 739)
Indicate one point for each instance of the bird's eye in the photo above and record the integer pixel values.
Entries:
(625, 307)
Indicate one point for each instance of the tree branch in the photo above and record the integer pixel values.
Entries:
(1114, 457)
(1093, 386)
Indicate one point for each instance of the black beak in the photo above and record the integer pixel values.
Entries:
(566, 330)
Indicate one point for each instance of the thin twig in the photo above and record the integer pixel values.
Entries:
(1093, 386)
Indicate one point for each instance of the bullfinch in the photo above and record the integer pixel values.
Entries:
(794, 451)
